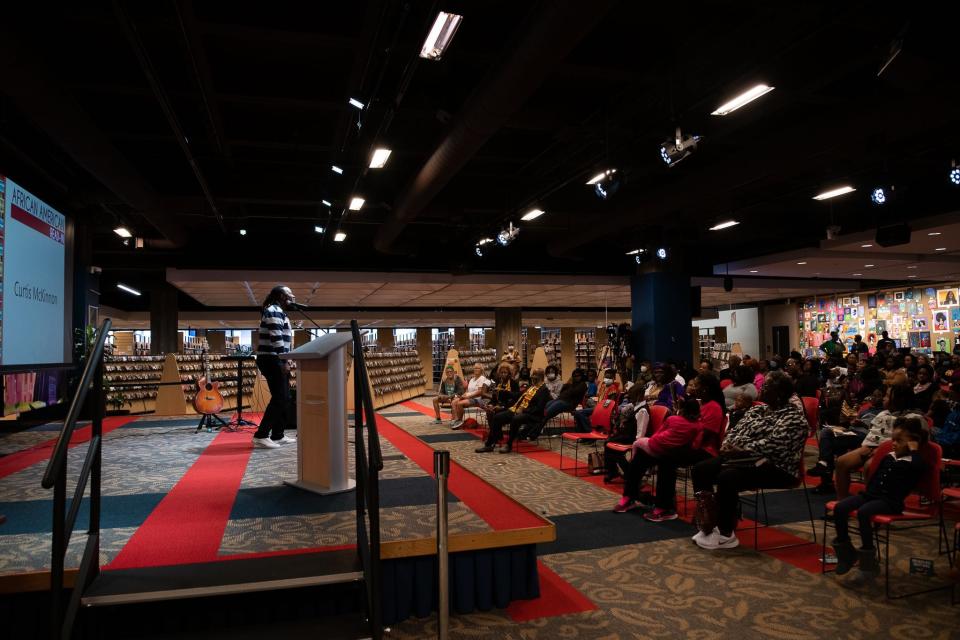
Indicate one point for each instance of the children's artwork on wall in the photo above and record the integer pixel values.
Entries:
(898, 295)
(854, 312)
(813, 325)
(855, 300)
(871, 302)
(821, 317)
(955, 318)
(924, 339)
(919, 324)
(941, 320)
(908, 294)
(845, 302)
(881, 297)
(914, 339)
(881, 326)
(947, 298)
(863, 323)
(942, 344)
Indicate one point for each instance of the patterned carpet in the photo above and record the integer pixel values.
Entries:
(647, 580)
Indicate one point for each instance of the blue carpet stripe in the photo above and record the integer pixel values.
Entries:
(35, 516)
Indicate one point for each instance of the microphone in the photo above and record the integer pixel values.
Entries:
(298, 306)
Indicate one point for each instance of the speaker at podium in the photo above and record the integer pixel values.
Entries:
(322, 414)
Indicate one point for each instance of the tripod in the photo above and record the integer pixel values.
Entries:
(238, 420)
(210, 422)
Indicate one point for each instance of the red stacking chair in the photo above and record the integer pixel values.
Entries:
(760, 499)
(811, 409)
(916, 514)
(658, 414)
(725, 383)
(600, 432)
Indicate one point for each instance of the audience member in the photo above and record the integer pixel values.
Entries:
(568, 398)
(853, 424)
(732, 363)
(474, 396)
(742, 385)
(528, 409)
(553, 383)
(450, 388)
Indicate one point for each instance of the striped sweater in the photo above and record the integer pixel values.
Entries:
(276, 335)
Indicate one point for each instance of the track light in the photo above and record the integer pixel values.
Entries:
(478, 250)
(661, 253)
(955, 173)
(440, 36)
(878, 196)
(607, 187)
(673, 151)
(508, 235)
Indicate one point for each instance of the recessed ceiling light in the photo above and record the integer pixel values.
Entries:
(911, 276)
(340, 236)
(533, 214)
(858, 274)
(355, 103)
(128, 289)
(833, 193)
(326, 203)
(934, 233)
(913, 266)
(746, 97)
(865, 246)
(318, 229)
(243, 232)
(724, 225)
(123, 232)
(940, 249)
(753, 271)
(379, 158)
(868, 265)
(802, 262)
(336, 169)
(440, 36)
(356, 203)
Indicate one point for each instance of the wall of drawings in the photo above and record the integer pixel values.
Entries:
(925, 319)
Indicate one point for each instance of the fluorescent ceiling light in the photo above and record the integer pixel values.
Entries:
(633, 253)
(911, 276)
(868, 265)
(484, 241)
(336, 169)
(858, 274)
(356, 103)
(379, 158)
(340, 237)
(533, 214)
(940, 249)
(865, 246)
(243, 232)
(356, 204)
(124, 287)
(804, 262)
(318, 229)
(934, 233)
(753, 271)
(833, 193)
(123, 232)
(326, 202)
(601, 176)
(725, 225)
(440, 36)
(744, 98)
(913, 266)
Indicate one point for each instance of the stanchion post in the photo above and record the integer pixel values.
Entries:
(441, 469)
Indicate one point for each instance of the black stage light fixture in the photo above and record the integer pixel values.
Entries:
(662, 253)
(955, 173)
(893, 235)
(878, 196)
(673, 151)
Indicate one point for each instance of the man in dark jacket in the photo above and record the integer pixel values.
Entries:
(528, 409)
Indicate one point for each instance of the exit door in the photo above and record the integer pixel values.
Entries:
(781, 341)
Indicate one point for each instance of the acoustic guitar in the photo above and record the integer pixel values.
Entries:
(208, 400)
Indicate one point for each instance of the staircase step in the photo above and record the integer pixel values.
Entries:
(228, 577)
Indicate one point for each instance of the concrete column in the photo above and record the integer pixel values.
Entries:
(425, 349)
(461, 339)
(385, 339)
(164, 313)
(490, 339)
(217, 341)
(507, 328)
(661, 316)
(568, 353)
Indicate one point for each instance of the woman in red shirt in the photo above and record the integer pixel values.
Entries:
(684, 439)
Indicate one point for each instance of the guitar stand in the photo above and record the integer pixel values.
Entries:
(212, 422)
(238, 420)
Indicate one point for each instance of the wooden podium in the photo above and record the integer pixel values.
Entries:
(322, 414)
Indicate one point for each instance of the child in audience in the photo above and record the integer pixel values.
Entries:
(896, 476)
(854, 423)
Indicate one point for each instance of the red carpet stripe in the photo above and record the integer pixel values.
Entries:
(496, 509)
(557, 598)
(188, 524)
(41, 452)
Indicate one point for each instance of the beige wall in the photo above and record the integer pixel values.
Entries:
(775, 315)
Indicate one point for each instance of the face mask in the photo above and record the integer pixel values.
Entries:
(551, 376)
(643, 368)
(608, 381)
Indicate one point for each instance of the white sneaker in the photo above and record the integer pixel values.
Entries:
(265, 443)
(717, 540)
(286, 440)
(700, 535)
(456, 425)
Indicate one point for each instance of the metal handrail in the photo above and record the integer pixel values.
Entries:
(55, 476)
(66, 432)
(369, 463)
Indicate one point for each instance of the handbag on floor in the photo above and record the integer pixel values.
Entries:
(595, 462)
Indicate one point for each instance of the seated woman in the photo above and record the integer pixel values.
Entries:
(473, 397)
(854, 423)
(528, 409)
(553, 383)
(664, 390)
(684, 439)
(581, 418)
(742, 384)
(924, 389)
(451, 387)
(504, 391)
(570, 395)
(634, 420)
(763, 450)
(896, 403)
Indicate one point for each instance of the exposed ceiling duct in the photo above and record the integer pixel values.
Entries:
(555, 32)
